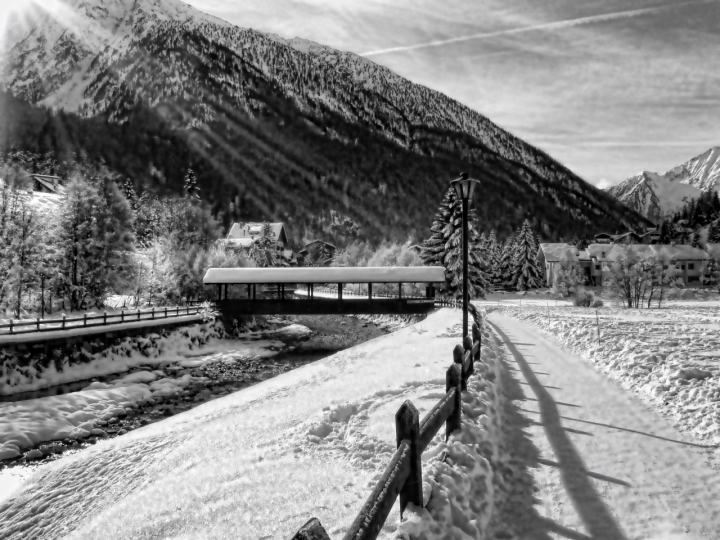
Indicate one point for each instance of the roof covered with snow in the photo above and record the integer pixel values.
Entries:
(247, 230)
(616, 252)
(561, 252)
(382, 274)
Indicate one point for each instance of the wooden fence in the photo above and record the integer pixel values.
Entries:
(439, 302)
(403, 475)
(26, 326)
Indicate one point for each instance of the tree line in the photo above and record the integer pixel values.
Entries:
(99, 239)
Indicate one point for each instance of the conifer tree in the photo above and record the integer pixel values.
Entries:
(505, 262)
(695, 240)
(526, 274)
(444, 248)
(710, 273)
(666, 233)
(190, 187)
(264, 249)
(714, 233)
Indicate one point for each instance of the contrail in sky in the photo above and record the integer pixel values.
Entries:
(547, 26)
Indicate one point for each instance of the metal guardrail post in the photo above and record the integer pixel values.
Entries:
(407, 428)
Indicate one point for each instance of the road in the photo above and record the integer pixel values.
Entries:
(605, 466)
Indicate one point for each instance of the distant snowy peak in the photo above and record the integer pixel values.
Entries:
(657, 195)
(653, 195)
(702, 172)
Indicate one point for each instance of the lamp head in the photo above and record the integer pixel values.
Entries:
(464, 186)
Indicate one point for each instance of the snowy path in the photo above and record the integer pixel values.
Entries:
(255, 464)
(605, 465)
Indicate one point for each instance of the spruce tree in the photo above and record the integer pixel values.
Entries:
(526, 274)
(695, 240)
(505, 262)
(264, 249)
(710, 273)
(666, 232)
(444, 248)
(190, 187)
(714, 233)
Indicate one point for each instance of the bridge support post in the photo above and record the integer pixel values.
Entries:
(340, 285)
(369, 291)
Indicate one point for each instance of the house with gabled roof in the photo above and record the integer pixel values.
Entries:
(45, 183)
(244, 235)
(688, 261)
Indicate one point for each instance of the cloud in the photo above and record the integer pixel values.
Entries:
(603, 183)
(558, 25)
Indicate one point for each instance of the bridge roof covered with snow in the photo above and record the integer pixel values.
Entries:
(381, 274)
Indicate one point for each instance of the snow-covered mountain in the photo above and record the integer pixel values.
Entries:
(658, 195)
(258, 97)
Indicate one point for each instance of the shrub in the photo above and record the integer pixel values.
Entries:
(583, 299)
(596, 303)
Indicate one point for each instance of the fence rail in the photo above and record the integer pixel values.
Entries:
(403, 474)
(68, 323)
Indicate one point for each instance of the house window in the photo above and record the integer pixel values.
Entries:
(693, 279)
(682, 267)
(691, 266)
(597, 267)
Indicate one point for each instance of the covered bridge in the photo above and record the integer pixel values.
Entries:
(266, 291)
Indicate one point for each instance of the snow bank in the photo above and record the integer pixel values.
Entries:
(28, 371)
(668, 357)
(260, 462)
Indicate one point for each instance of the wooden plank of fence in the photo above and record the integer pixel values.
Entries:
(369, 522)
(437, 416)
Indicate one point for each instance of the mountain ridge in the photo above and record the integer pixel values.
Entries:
(229, 91)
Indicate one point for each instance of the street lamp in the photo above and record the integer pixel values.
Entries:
(464, 187)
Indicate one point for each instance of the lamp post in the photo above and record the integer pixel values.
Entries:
(464, 187)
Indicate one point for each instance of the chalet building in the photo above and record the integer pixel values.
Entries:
(595, 261)
(244, 235)
(318, 252)
(688, 261)
(552, 256)
(44, 183)
(652, 236)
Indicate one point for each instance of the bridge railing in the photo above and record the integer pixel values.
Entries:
(27, 326)
(403, 474)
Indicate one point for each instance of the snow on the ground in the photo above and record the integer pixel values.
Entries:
(262, 461)
(588, 459)
(190, 342)
(75, 415)
(668, 356)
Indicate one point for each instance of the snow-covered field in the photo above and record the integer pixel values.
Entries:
(670, 357)
(260, 462)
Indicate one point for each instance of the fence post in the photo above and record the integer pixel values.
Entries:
(63, 323)
(458, 353)
(407, 428)
(84, 319)
(11, 326)
(166, 312)
(138, 314)
(104, 318)
(188, 309)
(312, 530)
(468, 345)
(477, 336)
(122, 315)
(177, 311)
(453, 379)
(38, 323)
